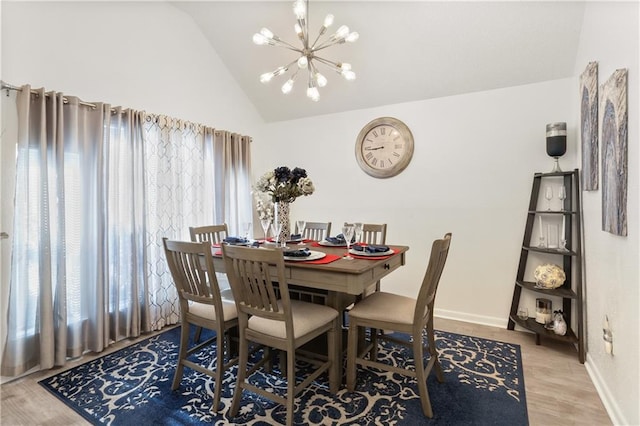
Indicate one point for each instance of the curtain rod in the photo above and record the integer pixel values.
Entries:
(34, 92)
(7, 86)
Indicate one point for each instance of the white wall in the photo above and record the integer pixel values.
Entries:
(610, 37)
(471, 174)
(143, 55)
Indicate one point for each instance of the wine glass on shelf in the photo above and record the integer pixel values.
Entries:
(265, 223)
(347, 232)
(357, 230)
(301, 225)
(562, 195)
(548, 194)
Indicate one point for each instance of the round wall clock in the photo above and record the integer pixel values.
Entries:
(384, 147)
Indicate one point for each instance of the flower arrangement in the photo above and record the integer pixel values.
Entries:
(264, 206)
(284, 184)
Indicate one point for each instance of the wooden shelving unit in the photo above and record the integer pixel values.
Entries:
(571, 291)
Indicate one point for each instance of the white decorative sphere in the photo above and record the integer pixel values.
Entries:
(549, 276)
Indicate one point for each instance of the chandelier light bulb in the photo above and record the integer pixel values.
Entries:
(349, 75)
(266, 77)
(303, 62)
(313, 93)
(352, 37)
(299, 9)
(298, 30)
(259, 39)
(266, 33)
(342, 32)
(328, 21)
(321, 80)
(287, 87)
(344, 66)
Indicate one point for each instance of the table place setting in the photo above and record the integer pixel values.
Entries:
(371, 251)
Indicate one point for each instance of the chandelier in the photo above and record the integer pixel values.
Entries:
(308, 58)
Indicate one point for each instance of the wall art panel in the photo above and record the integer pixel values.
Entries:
(613, 137)
(589, 126)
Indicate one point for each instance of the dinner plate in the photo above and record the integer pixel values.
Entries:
(326, 243)
(248, 243)
(364, 253)
(315, 255)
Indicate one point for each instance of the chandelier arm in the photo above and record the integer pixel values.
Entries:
(328, 43)
(284, 44)
(315, 42)
(327, 62)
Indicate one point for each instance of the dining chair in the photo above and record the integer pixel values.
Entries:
(267, 316)
(393, 312)
(373, 233)
(201, 305)
(215, 234)
(316, 231)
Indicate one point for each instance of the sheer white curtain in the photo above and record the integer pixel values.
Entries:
(96, 190)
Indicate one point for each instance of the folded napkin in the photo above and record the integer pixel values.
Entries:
(340, 239)
(295, 237)
(235, 240)
(297, 253)
(371, 248)
(337, 240)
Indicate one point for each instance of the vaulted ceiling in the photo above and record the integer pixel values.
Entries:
(407, 51)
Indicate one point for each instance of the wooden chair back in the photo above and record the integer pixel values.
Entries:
(214, 234)
(191, 266)
(427, 294)
(373, 233)
(251, 273)
(316, 231)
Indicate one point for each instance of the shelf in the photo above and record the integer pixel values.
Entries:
(531, 324)
(550, 251)
(550, 174)
(561, 291)
(562, 212)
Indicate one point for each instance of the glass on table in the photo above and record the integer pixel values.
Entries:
(301, 225)
(347, 232)
(357, 231)
(276, 229)
(247, 227)
(265, 223)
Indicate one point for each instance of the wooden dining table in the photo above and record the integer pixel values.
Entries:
(340, 281)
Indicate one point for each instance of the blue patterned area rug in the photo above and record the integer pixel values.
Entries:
(483, 385)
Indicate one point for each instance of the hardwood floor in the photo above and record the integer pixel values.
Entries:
(558, 388)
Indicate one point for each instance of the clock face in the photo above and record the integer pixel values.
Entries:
(384, 147)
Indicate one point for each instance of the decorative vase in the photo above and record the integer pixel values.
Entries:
(559, 324)
(556, 143)
(281, 217)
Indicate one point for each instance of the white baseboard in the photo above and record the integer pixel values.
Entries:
(472, 318)
(616, 416)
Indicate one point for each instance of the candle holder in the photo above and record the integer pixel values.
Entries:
(556, 143)
(541, 239)
(543, 311)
